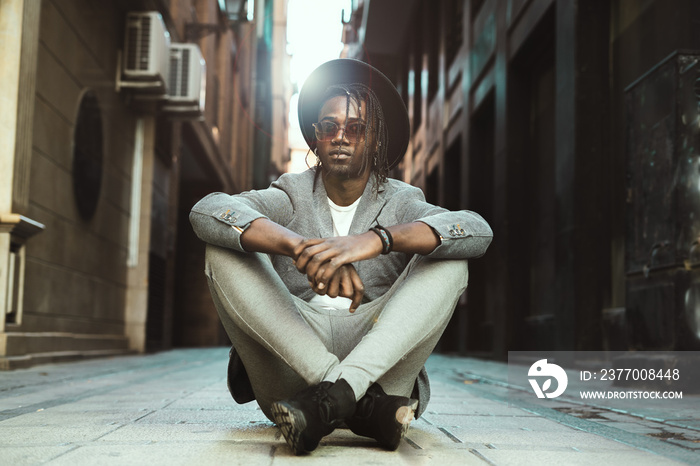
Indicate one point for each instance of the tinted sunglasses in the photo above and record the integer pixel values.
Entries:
(326, 130)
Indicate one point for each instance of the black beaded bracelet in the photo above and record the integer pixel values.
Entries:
(385, 236)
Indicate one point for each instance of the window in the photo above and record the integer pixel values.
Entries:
(453, 35)
(87, 156)
(15, 269)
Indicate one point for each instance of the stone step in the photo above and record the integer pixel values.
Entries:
(23, 349)
(30, 360)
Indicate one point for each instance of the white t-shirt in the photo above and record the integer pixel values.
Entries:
(342, 219)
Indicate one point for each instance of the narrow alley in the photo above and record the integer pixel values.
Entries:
(173, 408)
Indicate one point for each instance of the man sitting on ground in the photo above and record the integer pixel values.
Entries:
(335, 284)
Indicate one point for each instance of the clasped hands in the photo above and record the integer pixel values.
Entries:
(327, 264)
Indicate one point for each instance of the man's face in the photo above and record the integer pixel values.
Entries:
(341, 155)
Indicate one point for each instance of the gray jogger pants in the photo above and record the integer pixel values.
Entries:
(287, 344)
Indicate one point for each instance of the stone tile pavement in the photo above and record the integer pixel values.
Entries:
(173, 408)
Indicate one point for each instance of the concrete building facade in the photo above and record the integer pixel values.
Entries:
(96, 181)
(519, 111)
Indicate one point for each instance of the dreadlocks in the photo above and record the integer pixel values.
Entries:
(375, 126)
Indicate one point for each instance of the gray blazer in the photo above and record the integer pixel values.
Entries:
(299, 203)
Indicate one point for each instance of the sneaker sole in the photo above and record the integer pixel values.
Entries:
(292, 423)
(404, 416)
(390, 438)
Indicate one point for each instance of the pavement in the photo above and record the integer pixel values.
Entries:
(173, 408)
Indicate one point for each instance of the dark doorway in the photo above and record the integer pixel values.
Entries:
(531, 181)
(195, 321)
(482, 136)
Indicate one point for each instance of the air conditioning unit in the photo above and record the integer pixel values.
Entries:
(187, 80)
(146, 52)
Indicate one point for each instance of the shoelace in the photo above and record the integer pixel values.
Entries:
(320, 394)
(325, 403)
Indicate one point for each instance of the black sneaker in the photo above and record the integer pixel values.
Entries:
(237, 379)
(313, 413)
(383, 417)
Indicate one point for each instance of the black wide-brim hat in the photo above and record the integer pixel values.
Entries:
(349, 71)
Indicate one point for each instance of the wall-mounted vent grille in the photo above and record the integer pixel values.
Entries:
(187, 83)
(174, 74)
(132, 39)
(179, 84)
(146, 49)
(184, 85)
(145, 43)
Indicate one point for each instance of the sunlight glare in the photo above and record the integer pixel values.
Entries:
(314, 33)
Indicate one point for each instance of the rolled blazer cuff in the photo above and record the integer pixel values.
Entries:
(221, 223)
(463, 234)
